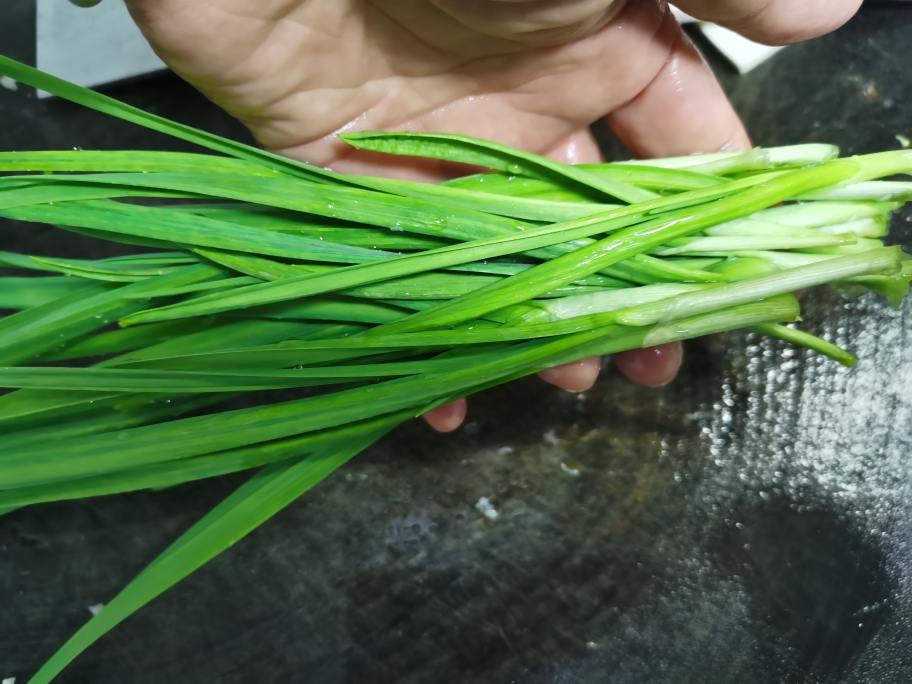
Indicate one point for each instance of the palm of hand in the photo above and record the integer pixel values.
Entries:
(298, 71)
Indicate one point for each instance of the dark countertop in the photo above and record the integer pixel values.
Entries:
(751, 522)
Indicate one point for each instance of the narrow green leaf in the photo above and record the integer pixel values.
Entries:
(345, 278)
(107, 417)
(25, 293)
(686, 162)
(106, 105)
(26, 407)
(268, 269)
(220, 284)
(189, 437)
(532, 209)
(329, 308)
(646, 270)
(178, 382)
(616, 247)
(425, 286)
(817, 214)
(719, 245)
(398, 213)
(880, 261)
(263, 496)
(867, 190)
(760, 159)
(32, 332)
(169, 474)
(222, 335)
(280, 355)
(13, 260)
(875, 227)
(805, 339)
(285, 221)
(780, 308)
(190, 229)
(39, 190)
(655, 178)
(125, 339)
(649, 177)
(477, 152)
(128, 161)
(512, 185)
(570, 307)
(204, 434)
(449, 257)
(98, 271)
(82, 289)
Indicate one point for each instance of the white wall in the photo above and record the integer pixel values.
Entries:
(91, 46)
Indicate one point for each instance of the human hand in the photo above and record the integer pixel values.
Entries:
(532, 74)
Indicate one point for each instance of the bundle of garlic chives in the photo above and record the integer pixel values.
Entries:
(260, 273)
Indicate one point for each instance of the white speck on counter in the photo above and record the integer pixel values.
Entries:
(570, 471)
(486, 508)
(503, 451)
(551, 438)
(96, 609)
(9, 84)
(9, 680)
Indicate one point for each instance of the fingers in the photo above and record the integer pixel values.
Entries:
(775, 22)
(574, 377)
(448, 417)
(652, 367)
(577, 148)
(683, 110)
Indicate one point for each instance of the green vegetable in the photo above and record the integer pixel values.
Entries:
(393, 297)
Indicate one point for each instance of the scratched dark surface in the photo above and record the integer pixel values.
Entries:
(751, 522)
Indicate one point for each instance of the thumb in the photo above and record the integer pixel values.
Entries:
(775, 22)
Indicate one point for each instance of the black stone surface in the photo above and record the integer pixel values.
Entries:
(751, 522)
